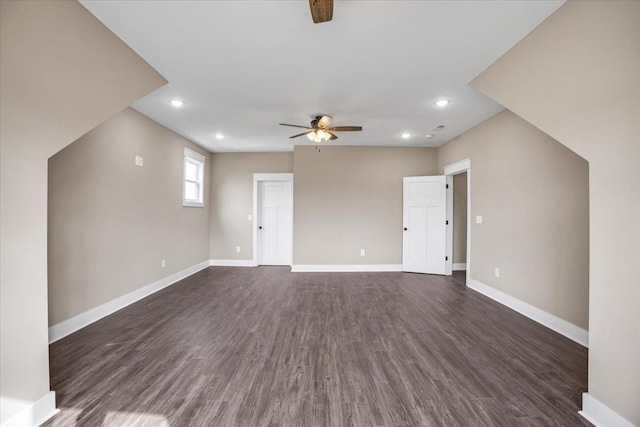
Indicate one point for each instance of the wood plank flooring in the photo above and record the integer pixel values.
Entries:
(267, 347)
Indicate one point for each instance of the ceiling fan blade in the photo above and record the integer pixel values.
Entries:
(332, 137)
(321, 10)
(296, 126)
(300, 134)
(345, 128)
(325, 122)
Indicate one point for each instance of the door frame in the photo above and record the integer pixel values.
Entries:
(450, 170)
(270, 177)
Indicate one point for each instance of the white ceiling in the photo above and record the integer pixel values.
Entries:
(242, 67)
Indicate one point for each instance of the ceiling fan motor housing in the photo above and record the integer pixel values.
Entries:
(315, 123)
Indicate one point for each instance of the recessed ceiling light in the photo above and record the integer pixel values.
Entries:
(406, 135)
(442, 102)
(430, 135)
(219, 136)
(176, 103)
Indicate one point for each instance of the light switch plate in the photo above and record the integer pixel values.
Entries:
(362, 252)
(497, 272)
(478, 219)
(237, 248)
(139, 161)
(250, 217)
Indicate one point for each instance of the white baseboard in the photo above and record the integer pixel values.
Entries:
(569, 330)
(345, 268)
(19, 413)
(232, 263)
(458, 266)
(75, 323)
(599, 414)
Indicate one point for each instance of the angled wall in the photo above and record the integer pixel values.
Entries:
(577, 78)
(55, 86)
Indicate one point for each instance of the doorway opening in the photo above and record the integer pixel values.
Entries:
(459, 191)
(459, 216)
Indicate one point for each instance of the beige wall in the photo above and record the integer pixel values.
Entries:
(112, 222)
(576, 77)
(232, 199)
(460, 218)
(61, 74)
(532, 193)
(350, 198)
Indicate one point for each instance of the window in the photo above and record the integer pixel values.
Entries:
(192, 190)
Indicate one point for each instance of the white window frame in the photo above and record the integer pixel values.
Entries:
(197, 160)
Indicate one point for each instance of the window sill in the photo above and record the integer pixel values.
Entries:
(192, 205)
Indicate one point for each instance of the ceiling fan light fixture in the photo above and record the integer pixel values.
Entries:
(321, 129)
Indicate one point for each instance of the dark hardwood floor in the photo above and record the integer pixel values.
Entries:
(267, 347)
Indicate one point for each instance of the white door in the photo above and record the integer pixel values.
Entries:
(424, 228)
(274, 223)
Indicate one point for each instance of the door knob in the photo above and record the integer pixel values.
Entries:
(405, 229)
(260, 227)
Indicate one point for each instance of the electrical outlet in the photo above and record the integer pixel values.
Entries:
(362, 252)
(139, 161)
(497, 272)
(237, 248)
(164, 263)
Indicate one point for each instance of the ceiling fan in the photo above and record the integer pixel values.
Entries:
(321, 10)
(320, 129)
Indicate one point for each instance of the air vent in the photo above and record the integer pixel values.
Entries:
(438, 128)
